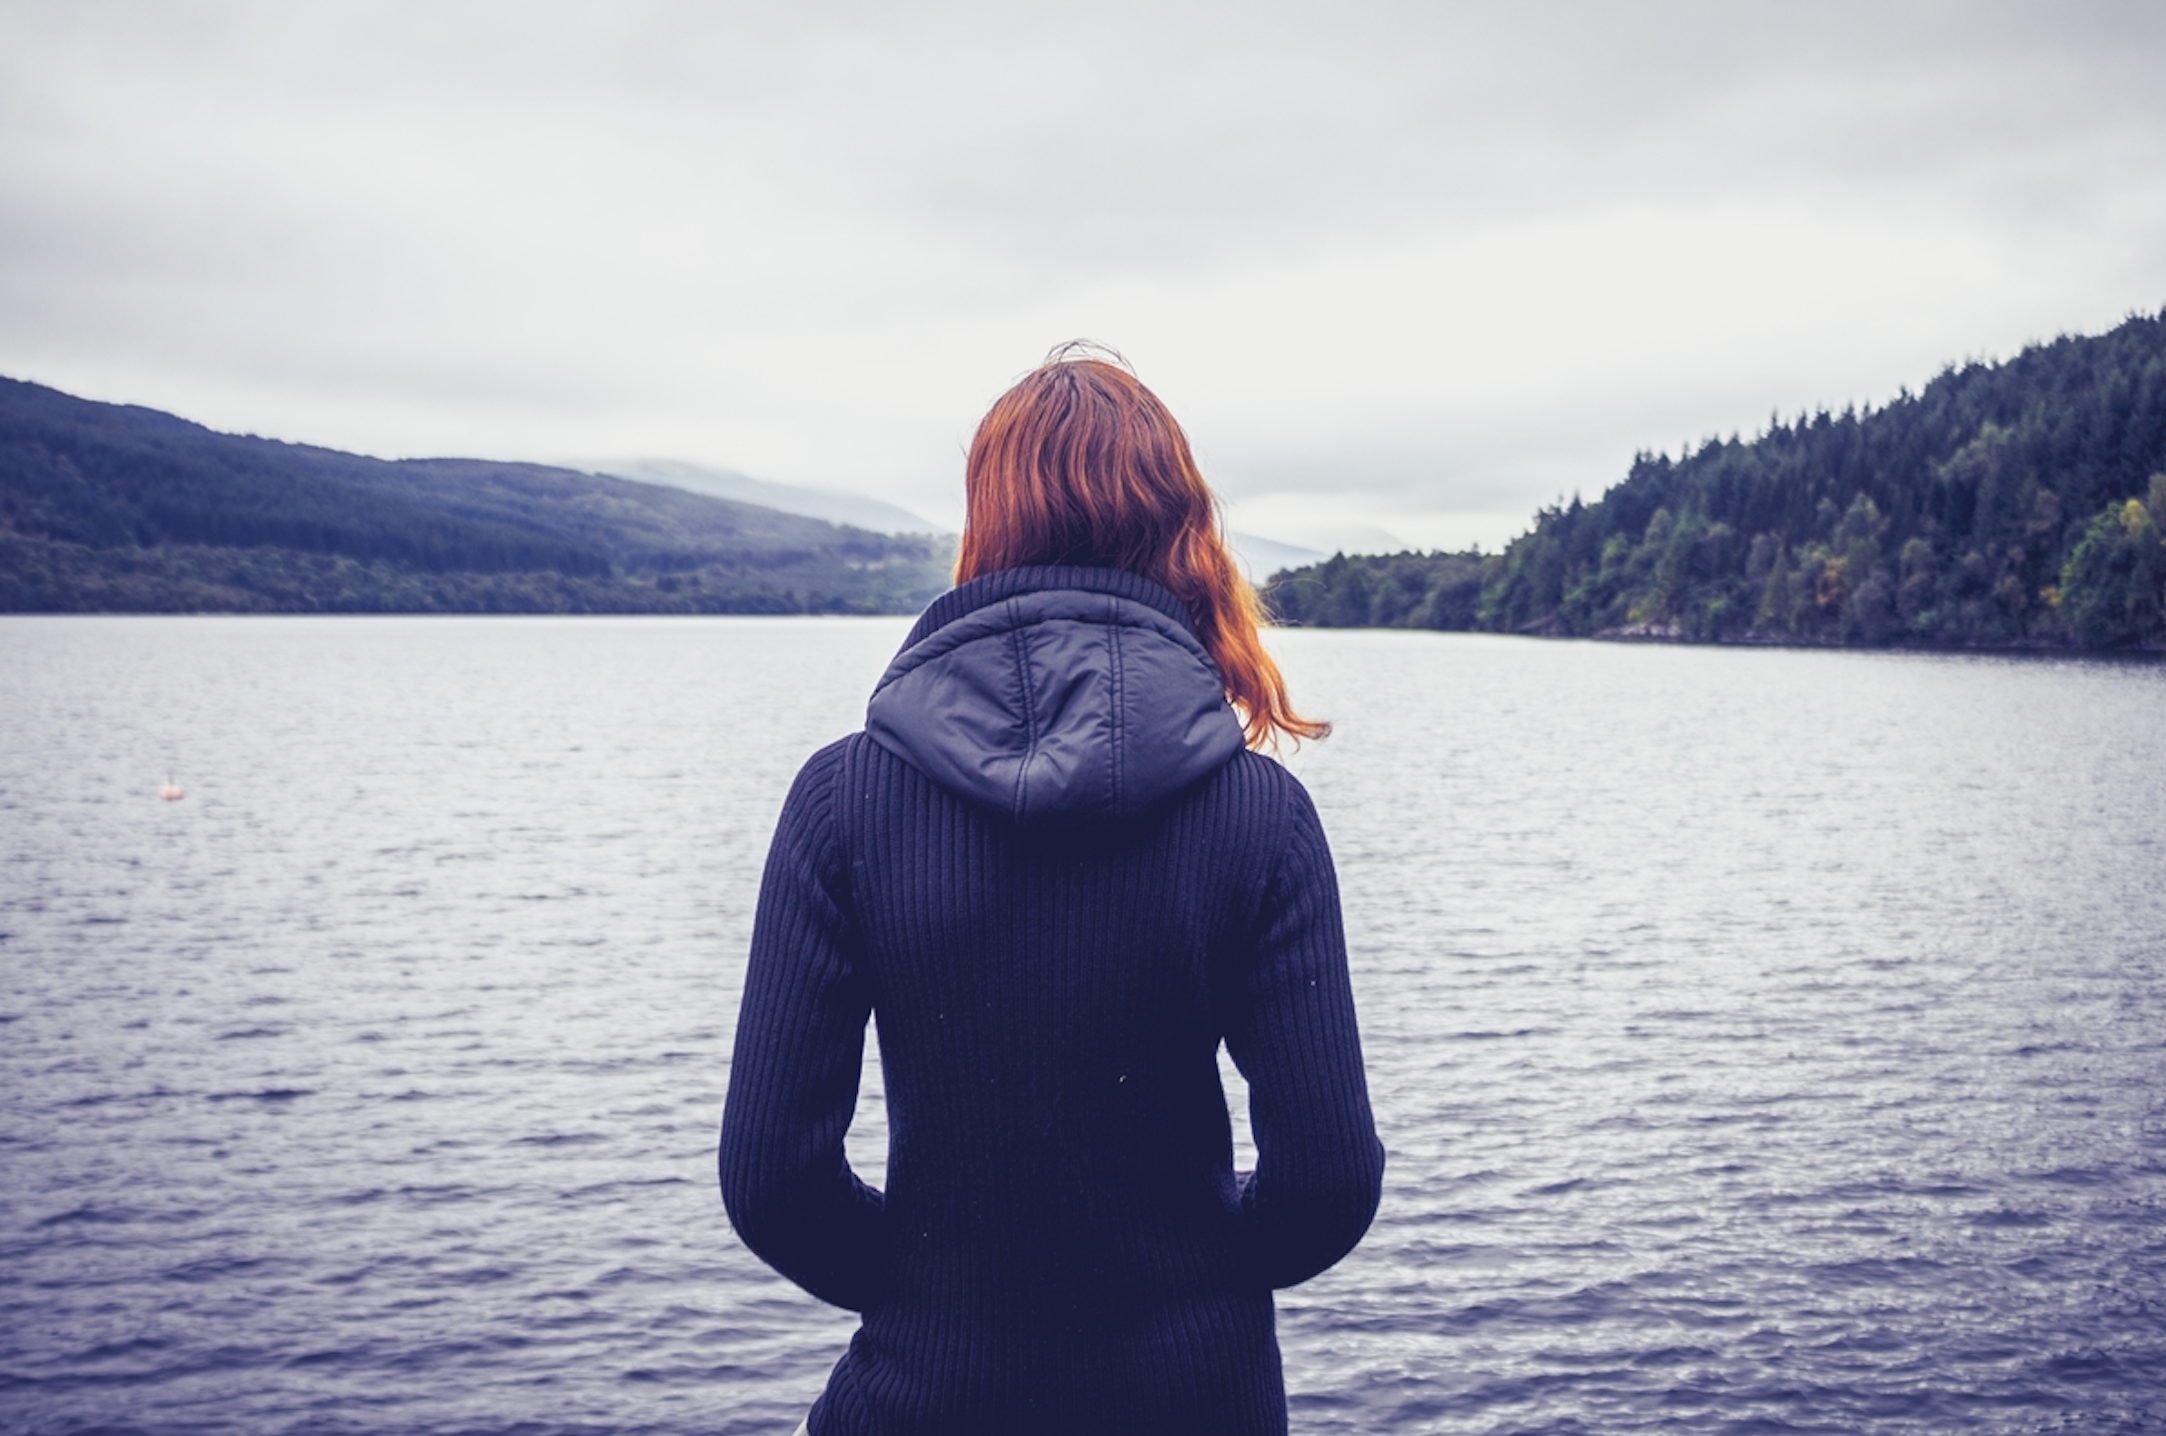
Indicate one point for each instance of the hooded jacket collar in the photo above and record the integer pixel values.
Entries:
(992, 588)
(1054, 693)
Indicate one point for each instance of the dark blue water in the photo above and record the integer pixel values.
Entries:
(1765, 1041)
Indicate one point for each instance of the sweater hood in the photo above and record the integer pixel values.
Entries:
(1056, 693)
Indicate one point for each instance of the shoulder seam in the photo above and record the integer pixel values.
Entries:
(838, 850)
(1280, 787)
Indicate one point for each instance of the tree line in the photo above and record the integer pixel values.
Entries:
(117, 508)
(2006, 504)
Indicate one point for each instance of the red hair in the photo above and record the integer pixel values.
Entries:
(1080, 464)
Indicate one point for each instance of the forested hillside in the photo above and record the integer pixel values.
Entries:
(113, 508)
(2006, 504)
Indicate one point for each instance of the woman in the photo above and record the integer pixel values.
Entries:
(1058, 870)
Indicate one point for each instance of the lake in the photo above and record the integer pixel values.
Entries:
(1764, 1040)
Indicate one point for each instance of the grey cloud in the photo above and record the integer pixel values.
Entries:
(1151, 135)
(581, 208)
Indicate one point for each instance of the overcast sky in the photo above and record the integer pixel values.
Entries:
(1412, 268)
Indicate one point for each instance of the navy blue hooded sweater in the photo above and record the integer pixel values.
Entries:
(1053, 871)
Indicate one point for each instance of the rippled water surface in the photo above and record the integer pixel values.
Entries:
(1764, 1041)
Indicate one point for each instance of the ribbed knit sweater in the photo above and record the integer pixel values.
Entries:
(1064, 1245)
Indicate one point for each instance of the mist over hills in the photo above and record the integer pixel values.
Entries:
(2004, 504)
(1259, 557)
(849, 510)
(118, 508)
(2016, 504)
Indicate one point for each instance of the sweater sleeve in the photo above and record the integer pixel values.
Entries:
(1319, 1166)
(793, 1077)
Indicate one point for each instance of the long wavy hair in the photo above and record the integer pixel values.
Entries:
(1080, 464)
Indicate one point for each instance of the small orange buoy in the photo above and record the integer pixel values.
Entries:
(172, 792)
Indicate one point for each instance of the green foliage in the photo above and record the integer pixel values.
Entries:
(2113, 587)
(112, 508)
(1403, 590)
(1992, 508)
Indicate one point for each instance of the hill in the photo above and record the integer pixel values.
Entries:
(847, 510)
(115, 508)
(2011, 504)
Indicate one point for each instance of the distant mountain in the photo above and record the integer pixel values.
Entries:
(2012, 504)
(854, 510)
(1261, 557)
(108, 507)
